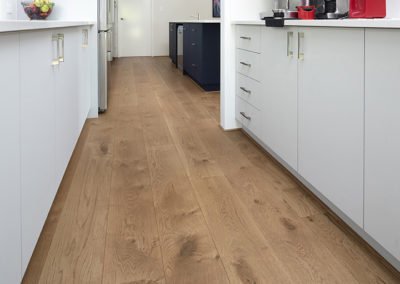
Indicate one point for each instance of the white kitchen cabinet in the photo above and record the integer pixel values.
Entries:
(279, 97)
(10, 204)
(331, 115)
(67, 94)
(38, 184)
(83, 45)
(382, 138)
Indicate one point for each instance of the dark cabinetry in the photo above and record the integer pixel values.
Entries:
(201, 54)
(173, 50)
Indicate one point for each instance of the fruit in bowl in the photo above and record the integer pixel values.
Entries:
(38, 9)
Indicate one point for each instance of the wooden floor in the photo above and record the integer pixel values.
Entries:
(156, 192)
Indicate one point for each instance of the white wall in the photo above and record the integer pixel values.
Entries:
(165, 11)
(393, 8)
(8, 9)
(234, 10)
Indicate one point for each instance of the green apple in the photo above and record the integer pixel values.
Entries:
(45, 8)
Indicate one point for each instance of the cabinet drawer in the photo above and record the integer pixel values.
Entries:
(248, 63)
(249, 90)
(249, 116)
(248, 38)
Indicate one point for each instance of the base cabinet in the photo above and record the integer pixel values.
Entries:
(10, 156)
(382, 138)
(331, 115)
(47, 103)
(38, 128)
(279, 97)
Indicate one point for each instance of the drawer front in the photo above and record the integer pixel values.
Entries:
(249, 116)
(249, 90)
(248, 38)
(248, 64)
(195, 32)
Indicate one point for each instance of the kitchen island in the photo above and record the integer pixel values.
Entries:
(201, 51)
(45, 74)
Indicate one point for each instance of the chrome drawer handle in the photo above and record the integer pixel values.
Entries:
(245, 64)
(245, 116)
(245, 37)
(193, 43)
(245, 90)
(194, 65)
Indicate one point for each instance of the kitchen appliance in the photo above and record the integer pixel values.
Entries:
(180, 48)
(105, 24)
(332, 9)
(306, 12)
(367, 8)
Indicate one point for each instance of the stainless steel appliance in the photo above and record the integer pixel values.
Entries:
(104, 23)
(180, 48)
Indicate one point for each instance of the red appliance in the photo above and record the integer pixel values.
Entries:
(306, 12)
(367, 8)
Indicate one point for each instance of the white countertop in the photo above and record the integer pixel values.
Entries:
(349, 23)
(26, 25)
(212, 21)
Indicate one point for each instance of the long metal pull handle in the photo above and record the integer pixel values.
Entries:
(245, 116)
(85, 41)
(55, 61)
(245, 37)
(245, 64)
(61, 37)
(289, 48)
(300, 54)
(245, 90)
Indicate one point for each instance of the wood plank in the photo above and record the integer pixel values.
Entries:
(79, 257)
(247, 256)
(189, 253)
(133, 253)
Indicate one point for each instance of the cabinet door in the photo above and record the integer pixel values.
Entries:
(67, 92)
(279, 97)
(382, 137)
(331, 115)
(187, 50)
(173, 42)
(84, 76)
(38, 186)
(10, 190)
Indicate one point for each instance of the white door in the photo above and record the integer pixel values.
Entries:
(382, 137)
(134, 28)
(279, 98)
(331, 115)
(10, 190)
(37, 51)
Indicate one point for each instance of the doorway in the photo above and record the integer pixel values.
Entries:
(134, 28)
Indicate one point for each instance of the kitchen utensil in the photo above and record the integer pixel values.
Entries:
(306, 12)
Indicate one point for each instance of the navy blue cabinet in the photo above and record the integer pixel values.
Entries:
(173, 49)
(201, 54)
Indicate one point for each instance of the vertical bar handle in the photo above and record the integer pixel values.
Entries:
(300, 47)
(85, 40)
(289, 44)
(61, 37)
(55, 61)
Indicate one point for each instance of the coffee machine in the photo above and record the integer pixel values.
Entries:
(332, 9)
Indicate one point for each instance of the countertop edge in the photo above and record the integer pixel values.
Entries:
(18, 25)
(346, 23)
(198, 21)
